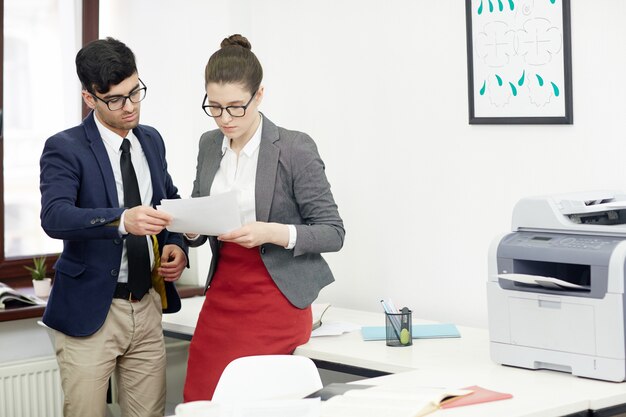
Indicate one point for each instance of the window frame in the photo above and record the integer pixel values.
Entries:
(12, 270)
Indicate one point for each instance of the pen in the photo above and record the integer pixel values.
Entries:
(392, 317)
(392, 307)
(382, 302)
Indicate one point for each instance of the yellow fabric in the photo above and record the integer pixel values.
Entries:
(157, 280)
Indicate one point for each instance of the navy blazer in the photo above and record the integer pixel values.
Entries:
(79, 205)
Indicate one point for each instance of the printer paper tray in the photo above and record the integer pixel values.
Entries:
(545, 282)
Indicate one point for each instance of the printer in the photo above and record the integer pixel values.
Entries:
(555, 291)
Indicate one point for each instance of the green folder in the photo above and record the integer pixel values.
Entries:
(419, 331)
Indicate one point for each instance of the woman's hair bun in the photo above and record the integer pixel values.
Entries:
(236, 40)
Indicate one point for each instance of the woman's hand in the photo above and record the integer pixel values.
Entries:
(258, 233)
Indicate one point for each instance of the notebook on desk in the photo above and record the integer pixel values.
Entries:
(419, 331)
(10, 298)
(479, 395)
(389, 401)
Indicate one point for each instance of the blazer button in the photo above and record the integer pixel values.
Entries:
(114, 272)
(93, 221)
(117, 241)
(263, 249)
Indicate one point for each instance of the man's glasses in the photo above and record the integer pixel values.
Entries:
(117, 102)
(234, 111)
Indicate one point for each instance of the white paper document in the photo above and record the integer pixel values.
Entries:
(548, 282)
(334, 328)
(211, 215)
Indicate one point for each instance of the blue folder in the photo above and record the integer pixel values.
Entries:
(419, 331)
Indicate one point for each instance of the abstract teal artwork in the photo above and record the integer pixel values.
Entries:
(519, 61)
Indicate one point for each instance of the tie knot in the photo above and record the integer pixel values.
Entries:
(125, 146)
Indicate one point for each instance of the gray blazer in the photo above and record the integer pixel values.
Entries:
(291, 188)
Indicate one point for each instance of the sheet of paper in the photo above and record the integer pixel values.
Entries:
(211, 215)
(548, 282)
(334, 328)
(615, 205)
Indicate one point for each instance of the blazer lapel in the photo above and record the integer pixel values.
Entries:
(266, 170)
(212, 157)
(97, 147)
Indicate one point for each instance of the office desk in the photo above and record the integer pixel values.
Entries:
(350, 349)
(349, 352)
(454, 362)
(531, 398)
(181, 325)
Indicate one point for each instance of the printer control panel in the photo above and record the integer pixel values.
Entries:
(563, 241)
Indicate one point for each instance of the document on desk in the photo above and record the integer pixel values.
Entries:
(334, 328)
(211, 215)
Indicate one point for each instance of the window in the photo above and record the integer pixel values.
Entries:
(40, 95)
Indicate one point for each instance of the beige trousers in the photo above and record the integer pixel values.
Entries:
(131, 342)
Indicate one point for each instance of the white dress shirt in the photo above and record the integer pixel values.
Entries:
(112, 142)
(238, 172)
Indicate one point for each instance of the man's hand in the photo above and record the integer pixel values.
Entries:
(173, 262)
(144, 220)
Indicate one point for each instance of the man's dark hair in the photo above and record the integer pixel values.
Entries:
(103, 63)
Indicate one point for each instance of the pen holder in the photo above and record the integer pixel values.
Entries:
(398, 329)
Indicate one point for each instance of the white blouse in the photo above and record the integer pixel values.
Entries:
(239, 173)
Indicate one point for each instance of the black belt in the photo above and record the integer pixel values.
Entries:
(122, 291)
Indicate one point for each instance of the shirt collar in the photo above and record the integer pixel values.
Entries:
(252, 144)
(111, 138)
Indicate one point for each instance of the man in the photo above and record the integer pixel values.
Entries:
(99, 181)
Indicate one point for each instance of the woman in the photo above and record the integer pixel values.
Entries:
(265, 275)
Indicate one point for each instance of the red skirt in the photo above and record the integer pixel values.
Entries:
(244, 314)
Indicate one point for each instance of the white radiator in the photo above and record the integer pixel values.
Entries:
(31, 389)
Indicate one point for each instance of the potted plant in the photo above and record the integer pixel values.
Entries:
(41, 283)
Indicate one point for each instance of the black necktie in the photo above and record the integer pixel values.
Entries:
(139, 275)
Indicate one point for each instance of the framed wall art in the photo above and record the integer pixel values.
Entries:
(519, 61)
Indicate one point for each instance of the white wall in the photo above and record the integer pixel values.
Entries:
(382, 88)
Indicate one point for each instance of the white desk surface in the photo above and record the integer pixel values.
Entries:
(184, 322)
(532, 396)
(454, 363)
(350, 349)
